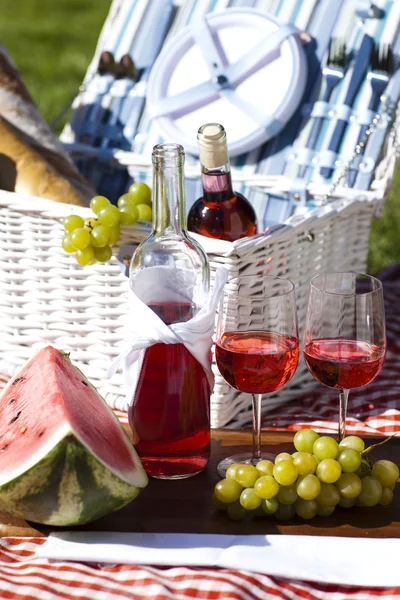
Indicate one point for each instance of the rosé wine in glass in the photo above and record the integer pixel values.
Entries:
(345, 334)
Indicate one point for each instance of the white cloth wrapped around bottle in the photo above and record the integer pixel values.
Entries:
(144, 328)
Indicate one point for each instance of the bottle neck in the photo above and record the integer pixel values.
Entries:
(217, 183)
(169, 195)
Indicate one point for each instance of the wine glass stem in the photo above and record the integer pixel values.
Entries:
(343, 397)
(257, 426)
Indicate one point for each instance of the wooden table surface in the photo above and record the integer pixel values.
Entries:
(184, 506)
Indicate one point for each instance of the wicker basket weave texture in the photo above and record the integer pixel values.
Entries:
(45, 298)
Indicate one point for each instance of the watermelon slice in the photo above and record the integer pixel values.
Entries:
(65, 459)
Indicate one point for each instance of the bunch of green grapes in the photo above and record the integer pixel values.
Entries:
(319, 476)
(92, 239)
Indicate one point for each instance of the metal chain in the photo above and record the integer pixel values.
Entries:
(386, 107)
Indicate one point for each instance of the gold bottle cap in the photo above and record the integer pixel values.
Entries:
(213, 149)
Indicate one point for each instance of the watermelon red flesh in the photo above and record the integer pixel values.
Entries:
(46, 401)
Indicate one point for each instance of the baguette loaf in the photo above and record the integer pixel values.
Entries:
(26, 171)
(31, 139)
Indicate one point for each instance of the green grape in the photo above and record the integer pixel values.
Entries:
(141, 192)
(346, 502)
(145, 212)
(128, 214)
(91, 223)
(266, 487)
(287, 494)
(325, 447)
(270, 506)
(329, 495)
(247, 475)
(283, 456)
(386, 472)
(73, 222)
(353, 441)
(109, 216)
(304, 462)
(125, 199)
(80, 238)
(85, 257)
(99, 236)
(325, 511)
(285, 472)
(67, 244)
(231, 470)
(350, 460)
(387, 496)
(304, 440)
(306, 509)
(236, 512)
(217, 503)
(308, 487)
(329, 470)
(349, 485)
(115, 232)
(359, 503)
(103, 254)
(228, 490)
(285, 512)
(97, 203)
(371, 492)
(265, 467)
(249, 499)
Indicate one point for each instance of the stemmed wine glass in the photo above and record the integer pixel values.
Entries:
(345, 334)
(257, 344)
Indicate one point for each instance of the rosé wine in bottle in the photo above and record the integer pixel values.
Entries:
(173, 428)
(257, 362)
(170, 412)
(220, 213)
(343, 364)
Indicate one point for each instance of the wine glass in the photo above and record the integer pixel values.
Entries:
(345, 334)
(257, 344)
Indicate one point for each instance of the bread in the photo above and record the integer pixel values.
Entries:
(26, 171)
(28, 145)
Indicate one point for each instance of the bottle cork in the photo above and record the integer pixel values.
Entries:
(213, 149)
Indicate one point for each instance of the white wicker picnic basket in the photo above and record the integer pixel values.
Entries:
(45, 298)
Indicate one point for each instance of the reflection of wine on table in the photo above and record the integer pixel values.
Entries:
(257, 362)
(170, 404)
(343, 364)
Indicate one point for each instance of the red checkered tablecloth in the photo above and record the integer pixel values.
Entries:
(374, 409)
(22, 576)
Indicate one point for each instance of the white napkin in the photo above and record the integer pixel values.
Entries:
(337, 560)
(144, 328)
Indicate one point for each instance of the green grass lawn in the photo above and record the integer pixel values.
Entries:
(52, 43)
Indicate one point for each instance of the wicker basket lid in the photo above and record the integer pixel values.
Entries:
(239, 67)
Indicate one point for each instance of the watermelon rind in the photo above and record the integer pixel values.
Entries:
(67, 487)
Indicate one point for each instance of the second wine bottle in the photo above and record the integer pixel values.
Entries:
(220, 213)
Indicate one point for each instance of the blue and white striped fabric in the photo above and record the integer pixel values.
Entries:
(112, 114)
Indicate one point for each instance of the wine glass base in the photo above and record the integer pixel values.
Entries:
(245, 458)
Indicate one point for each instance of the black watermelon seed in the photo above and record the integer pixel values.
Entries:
(41, 433)
(18, 380)
(15, 418)
(84, 382)
(4, 448)
(12, 400)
